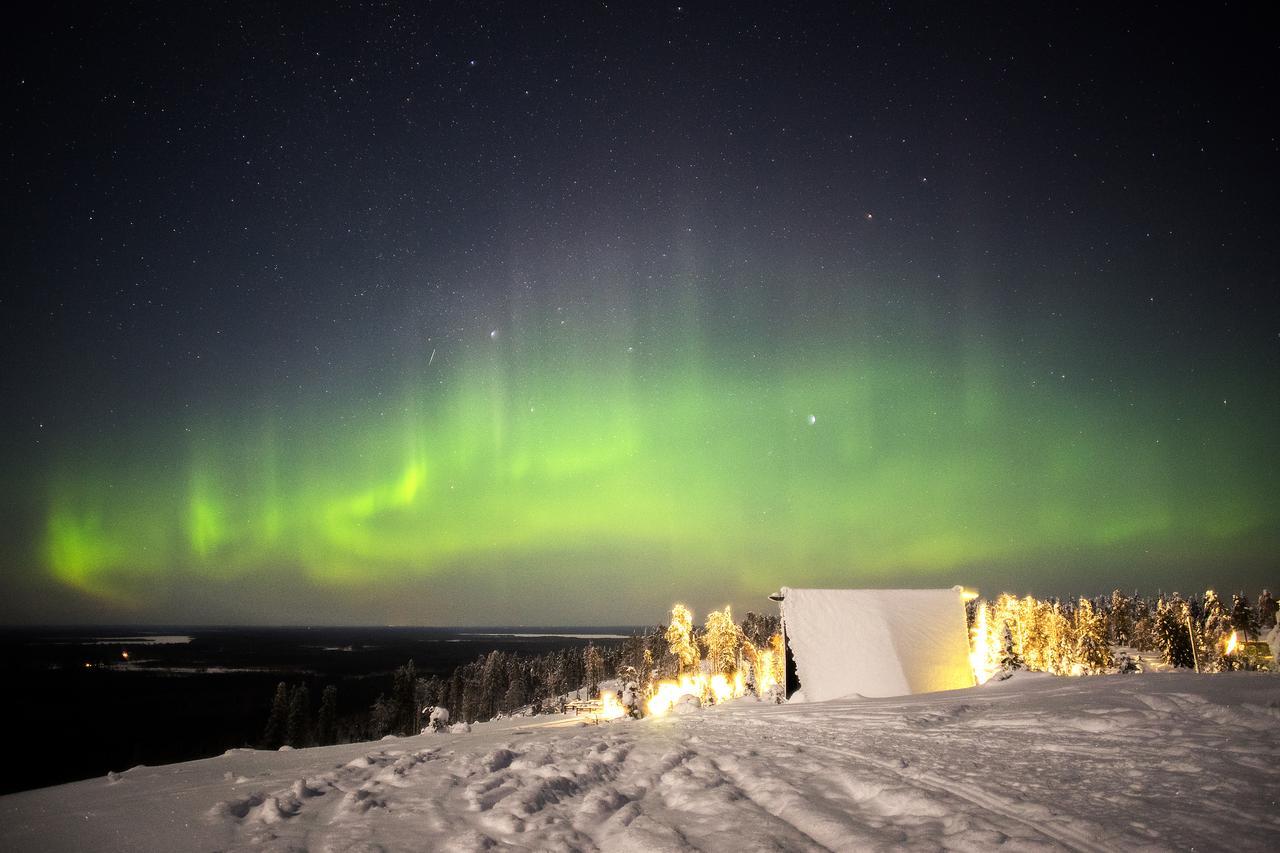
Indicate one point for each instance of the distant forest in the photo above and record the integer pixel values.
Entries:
(1064, 637)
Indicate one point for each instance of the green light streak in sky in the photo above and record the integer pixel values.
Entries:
(917, 460)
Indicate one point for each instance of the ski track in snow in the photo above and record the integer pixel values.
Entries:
(1156, 762)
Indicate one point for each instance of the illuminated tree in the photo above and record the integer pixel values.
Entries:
(1010, 660)
(1035, 642)
(1059, 651)
(680, 640)
(778, 645)
(723, 640)
(1092, 652)
(1215, 624)
(1242, 617)
(1215, 620)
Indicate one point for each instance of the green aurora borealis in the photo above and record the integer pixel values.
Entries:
(462, 314)
(672, 443)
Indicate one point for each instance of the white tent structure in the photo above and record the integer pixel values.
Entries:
(876, 642)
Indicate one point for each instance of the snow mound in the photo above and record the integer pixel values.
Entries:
(1150, 762)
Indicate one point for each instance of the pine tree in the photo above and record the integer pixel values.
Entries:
(1144, 625)
(297, 729)
(327, 717)
(592, 667)
(515, 697)
(1092, 653)
(274, 736)
(1035, 641)
(1267, 608)
(1215, 624)
(453, 696)
(1215, 620)
(680, 640)
(1242, 617)
(404, 700)
(382, 717)
(1010, 660)
(1059, 642)
(1119, 619)
(1171, 621)
(723, 641)
(426, 694)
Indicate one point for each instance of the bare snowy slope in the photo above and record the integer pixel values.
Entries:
(1161, 761)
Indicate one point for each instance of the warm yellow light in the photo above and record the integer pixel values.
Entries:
(982, 648)
(1231, 644)
(610, 707)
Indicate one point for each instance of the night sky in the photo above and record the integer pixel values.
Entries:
(475, 314)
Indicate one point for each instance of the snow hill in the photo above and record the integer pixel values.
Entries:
(1147, 762)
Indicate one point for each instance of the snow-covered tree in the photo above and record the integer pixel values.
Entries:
(680, 639)
(1267, 608)
(1035, 640)
(1215, 620)
(1059, 645)
(1119, 619)
(1243, 618)
(593, 666)
(1092, 653)
(722, 640)
(1010, 660)
(1171, 620)
(1144, 626)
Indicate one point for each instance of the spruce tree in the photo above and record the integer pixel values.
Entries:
(593, 668)
(680, 639)
(273, 736)
(1242, 617)
(297, 729)
(1092, 653)
(1267, 608)
(1215, 620)
(382, 717)
(327, 717)
(1119, 619)
(1171, 620)
(404, 700)
(723, 641)
(1010, 660)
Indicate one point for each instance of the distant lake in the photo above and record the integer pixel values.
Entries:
(106, 698)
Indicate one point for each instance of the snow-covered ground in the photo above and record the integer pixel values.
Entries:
(1147, 762)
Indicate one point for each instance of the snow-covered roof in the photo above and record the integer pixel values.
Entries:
(877, 642)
